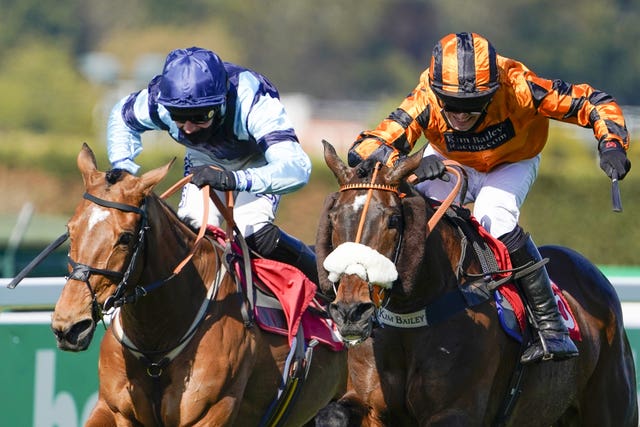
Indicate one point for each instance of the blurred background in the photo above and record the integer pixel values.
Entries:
(341, 66)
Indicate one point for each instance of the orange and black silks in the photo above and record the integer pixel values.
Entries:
(514, 125)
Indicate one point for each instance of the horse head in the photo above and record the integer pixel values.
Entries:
(106, 232)
(360, 240)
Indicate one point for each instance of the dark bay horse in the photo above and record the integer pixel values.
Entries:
(459, 369)
(180, 352)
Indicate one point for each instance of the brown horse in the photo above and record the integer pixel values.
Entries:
(182, 353)
(458, 367)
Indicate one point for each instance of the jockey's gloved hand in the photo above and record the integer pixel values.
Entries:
(215, 178)
(381, 154)
(431, 167)
(613, 159)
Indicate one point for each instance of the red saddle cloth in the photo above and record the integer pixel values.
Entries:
(510, 293)
(295, 295)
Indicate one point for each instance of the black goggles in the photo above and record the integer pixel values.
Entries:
(196, 116)
(472, 109)
(450, 109)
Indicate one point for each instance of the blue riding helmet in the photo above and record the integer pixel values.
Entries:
(193, 78)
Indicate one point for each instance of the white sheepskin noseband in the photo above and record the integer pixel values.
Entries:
(366, 262)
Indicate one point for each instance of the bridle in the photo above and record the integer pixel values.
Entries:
(82, 272)
(377, 293)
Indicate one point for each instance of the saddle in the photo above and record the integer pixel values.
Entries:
(495, 262)
(282, 298)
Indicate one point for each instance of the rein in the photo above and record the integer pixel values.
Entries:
(226, 210)
(453, 167)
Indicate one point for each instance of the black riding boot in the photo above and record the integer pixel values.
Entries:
(273, 243)
(552, 340)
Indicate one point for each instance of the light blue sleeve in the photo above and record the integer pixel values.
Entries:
(123, 143)
(124, 138)
(263, 117)
(288, 168)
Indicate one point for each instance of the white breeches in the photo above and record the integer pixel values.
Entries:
(497, 195)
(250, 212)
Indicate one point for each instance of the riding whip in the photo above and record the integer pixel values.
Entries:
(615, 194)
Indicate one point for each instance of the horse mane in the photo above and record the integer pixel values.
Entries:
(172, 215)
(415, 211)
(114, 175)
(365, 168)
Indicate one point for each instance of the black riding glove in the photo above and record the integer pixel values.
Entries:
(613, 159)
(431, 167)
(217, 179)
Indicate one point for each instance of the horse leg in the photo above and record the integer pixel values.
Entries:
(324, 385)
(610, 397)
(352, 408)
(348, 411)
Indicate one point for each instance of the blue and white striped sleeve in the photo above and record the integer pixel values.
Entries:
(288, 167)
(129, 118)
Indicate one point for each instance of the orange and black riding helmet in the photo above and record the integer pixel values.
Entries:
(464, 71)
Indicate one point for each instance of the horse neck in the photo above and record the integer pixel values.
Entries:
(448, 257)
(170, 307)
(429, 263)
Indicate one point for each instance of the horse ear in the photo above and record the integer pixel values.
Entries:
(150, 179)
(87, 164)
(405, 166)
(335, 163)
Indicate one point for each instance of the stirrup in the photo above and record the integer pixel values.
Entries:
(557, 348)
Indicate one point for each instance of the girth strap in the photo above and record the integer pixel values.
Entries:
(294, 374)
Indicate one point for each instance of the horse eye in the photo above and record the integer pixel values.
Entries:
(395, 221)
(125, 238)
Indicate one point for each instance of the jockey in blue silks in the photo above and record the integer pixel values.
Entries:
(238, 138)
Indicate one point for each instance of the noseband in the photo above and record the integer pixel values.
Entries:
(82, 272)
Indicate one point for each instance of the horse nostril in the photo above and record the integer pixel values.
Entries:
(336, 311)
(58, 333)
(351, 313)
(81, 327)
(74, 333)
(362, 311)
